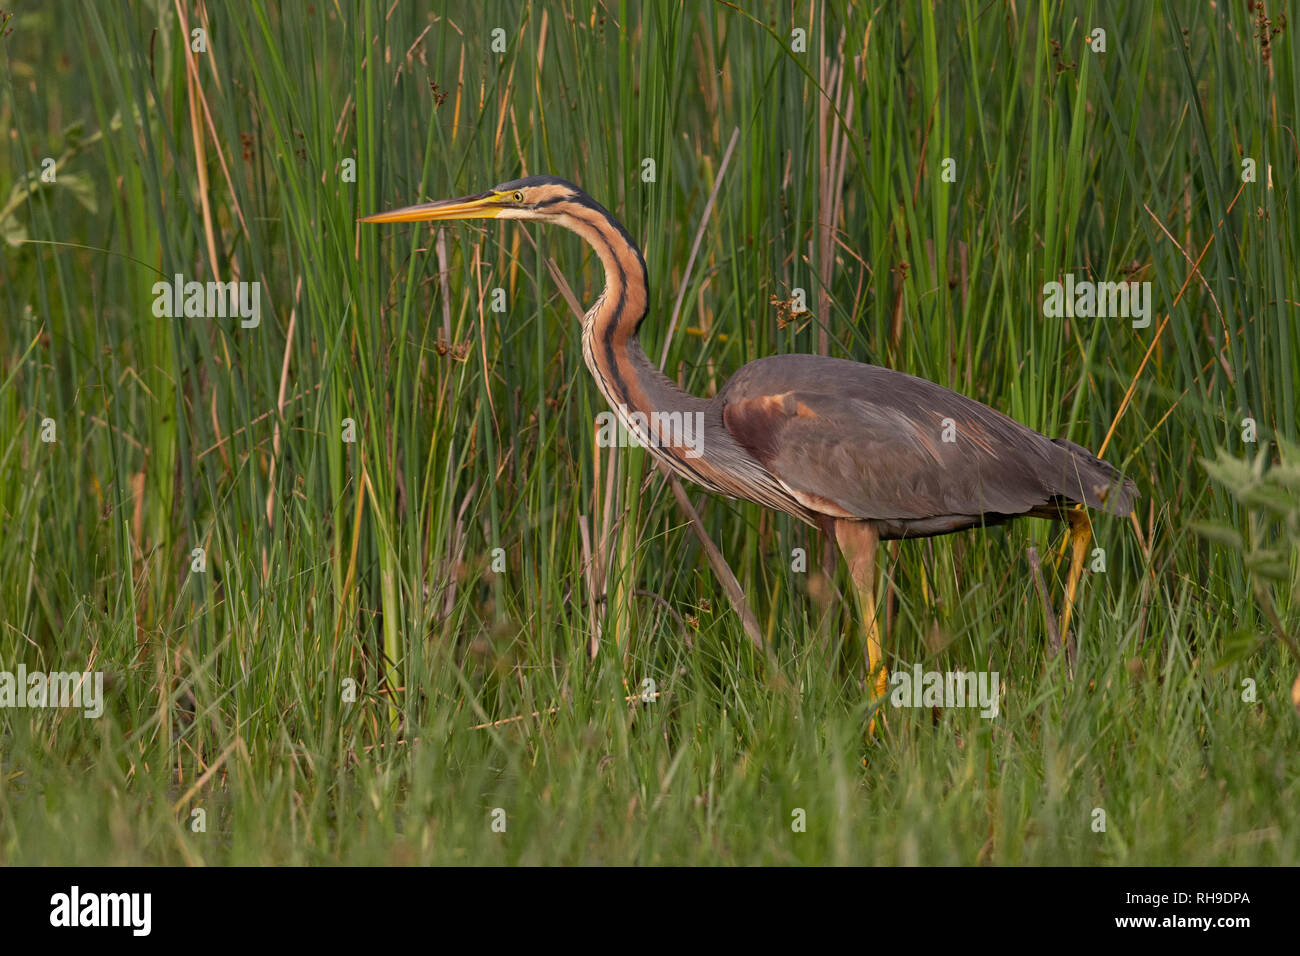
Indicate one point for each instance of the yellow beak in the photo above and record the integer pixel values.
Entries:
(483, 206)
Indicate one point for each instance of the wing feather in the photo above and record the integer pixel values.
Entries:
(883, 445)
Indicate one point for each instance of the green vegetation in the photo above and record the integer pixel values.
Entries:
(373, 564)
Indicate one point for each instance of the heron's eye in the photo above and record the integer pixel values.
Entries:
(518, 196)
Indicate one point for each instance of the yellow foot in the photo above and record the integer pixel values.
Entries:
(881, 688)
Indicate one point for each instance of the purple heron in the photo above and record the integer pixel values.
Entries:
(864, 453)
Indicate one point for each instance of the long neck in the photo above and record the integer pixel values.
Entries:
(683, 431)
(610, 344)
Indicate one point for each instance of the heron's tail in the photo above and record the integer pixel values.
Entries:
(1096, 483)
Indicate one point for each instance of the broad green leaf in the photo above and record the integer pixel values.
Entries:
(1222, 534)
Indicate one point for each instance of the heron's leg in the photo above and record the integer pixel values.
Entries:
(857, 541)
(1080, 538)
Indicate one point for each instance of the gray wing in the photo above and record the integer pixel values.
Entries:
(853, 440)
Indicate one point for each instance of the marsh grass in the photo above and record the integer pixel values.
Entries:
(369, 565)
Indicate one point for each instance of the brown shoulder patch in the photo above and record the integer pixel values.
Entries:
(756, 423)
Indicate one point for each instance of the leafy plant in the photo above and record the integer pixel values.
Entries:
(1268, 494)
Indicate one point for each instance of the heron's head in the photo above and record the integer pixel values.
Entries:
(537, 198)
